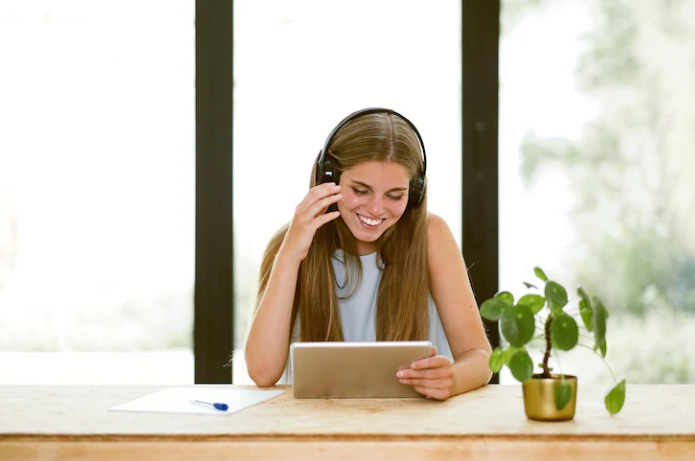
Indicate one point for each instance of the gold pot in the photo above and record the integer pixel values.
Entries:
(539, 398)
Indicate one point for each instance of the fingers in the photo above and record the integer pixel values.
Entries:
(428, 383)
(320, 206)
(317, 193)
(439, 388)
(433, 377)
(430, 373)
(324, 218)
(431, 362)
(309, 216)
(436, 394)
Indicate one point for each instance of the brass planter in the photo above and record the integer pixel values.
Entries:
(539, 398)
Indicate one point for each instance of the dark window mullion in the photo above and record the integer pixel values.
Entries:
(214, 293)
(480, 73)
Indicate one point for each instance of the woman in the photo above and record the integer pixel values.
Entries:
(362, 260)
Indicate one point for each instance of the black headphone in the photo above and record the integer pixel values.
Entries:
(326, 171)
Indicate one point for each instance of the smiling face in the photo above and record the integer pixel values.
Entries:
(375, 196)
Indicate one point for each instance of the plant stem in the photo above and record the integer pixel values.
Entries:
(586, 337)
(559, 366)
(602, 359)
(546, 356)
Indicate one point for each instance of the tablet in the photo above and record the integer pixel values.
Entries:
(344, 370)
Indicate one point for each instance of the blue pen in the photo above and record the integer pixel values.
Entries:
(216, 406)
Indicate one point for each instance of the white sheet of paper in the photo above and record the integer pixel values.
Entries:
(177, 400)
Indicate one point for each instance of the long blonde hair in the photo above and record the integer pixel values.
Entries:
(402, 297)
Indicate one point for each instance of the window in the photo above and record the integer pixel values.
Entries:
(97, 169)
(302, 66)
(595, 163)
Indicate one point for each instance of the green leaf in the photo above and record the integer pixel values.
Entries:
(605, 309)
(564, 332)
(587, 315)
(496, 361)
(615, 398)
(556, 296)
(599, 326)
(518, 325)
(540, 274)
(586, 311)
(530, 285)
(492, 309)
(521, 366)
(534, 302)
(603, 348)
(563, 396)
(505, 296)
(582, 294)
(509, 353)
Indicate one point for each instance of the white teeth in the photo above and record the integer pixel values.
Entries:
(371, 222)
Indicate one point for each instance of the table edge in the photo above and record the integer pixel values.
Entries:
(20, 437)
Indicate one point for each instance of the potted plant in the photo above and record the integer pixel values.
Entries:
(549, 397)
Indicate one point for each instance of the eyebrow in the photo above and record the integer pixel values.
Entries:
(395, 189)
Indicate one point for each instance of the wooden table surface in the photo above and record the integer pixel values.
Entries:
(73, 423)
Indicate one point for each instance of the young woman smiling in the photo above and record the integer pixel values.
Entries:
(377, 268)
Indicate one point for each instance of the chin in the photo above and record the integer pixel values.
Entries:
(368, 238)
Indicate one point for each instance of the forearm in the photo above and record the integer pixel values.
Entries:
(268, 339)
(471, 371)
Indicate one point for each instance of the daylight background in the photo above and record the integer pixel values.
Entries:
(97, 157)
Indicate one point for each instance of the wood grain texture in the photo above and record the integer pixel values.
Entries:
(73, 423)
(476, 448)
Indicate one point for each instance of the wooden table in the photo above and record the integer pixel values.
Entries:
(72, 423)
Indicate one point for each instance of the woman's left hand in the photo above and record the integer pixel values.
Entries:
(433, 376)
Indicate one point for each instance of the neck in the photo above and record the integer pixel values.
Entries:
(366, 248)
(350, 244)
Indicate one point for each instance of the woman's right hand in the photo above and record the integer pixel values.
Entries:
(308, 217)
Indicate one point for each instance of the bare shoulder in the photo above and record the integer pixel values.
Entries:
(436, 223)
(439, 236)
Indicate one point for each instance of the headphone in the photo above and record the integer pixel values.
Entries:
(327, 172)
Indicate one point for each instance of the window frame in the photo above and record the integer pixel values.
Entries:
(214, 261)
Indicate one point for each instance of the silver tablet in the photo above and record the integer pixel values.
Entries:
(334, 370)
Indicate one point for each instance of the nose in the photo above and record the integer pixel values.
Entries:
(375, 207)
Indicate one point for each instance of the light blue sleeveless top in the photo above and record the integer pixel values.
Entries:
(358, 312)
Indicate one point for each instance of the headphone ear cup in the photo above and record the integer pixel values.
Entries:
(324, 170)
(328, 172)
(417, 191)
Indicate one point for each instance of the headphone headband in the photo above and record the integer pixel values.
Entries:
(326, 171)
